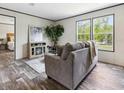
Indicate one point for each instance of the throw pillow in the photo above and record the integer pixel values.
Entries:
(86, 44)
(78, 46)
(59, 49)
(66, 50)
(82, 45)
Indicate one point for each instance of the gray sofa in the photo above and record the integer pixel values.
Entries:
(73, 70)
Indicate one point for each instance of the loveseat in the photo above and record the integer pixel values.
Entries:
(71, 69)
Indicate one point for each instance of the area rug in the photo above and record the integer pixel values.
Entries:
(37, 64)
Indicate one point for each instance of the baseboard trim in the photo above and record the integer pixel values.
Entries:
(21, 59)
(111, 63)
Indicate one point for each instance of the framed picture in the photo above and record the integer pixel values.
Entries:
(35, 34)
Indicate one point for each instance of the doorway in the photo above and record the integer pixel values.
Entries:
(7, 40)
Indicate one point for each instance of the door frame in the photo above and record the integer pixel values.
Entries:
(14, 33)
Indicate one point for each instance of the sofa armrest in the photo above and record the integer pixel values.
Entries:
(81, 65)
(51, 57)
(82, 56)
(51, 64)
(60, 70)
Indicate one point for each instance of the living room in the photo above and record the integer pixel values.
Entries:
(88, 35)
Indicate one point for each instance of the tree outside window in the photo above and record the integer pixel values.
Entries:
(83, 30)
(103, 32)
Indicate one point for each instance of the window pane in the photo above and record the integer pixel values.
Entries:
(103, 32)
(83, 30)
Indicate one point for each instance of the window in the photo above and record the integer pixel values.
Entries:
(83, 30)
(103, 32)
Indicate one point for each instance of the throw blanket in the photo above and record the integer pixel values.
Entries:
(92, 50)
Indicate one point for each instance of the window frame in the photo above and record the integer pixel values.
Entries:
(77, 28)
(113, 41)
(91, 30)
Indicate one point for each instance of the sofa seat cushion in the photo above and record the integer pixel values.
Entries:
(66, 50)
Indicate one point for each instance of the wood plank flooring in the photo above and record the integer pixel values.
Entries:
(19, 76)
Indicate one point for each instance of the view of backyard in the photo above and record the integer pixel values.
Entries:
(102, 31)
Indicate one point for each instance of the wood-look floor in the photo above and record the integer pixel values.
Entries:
(19, 76)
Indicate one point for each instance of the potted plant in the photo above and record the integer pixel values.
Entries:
(54, 32)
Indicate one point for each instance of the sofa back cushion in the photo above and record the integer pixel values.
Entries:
(66, 50)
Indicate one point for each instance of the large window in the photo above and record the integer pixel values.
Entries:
(101, 32)
(83, 30)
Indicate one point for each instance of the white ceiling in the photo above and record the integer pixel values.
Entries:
(55, 11)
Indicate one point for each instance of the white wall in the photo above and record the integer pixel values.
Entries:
(116, 57)
(22, 22)
(6, 19)
(4, 29)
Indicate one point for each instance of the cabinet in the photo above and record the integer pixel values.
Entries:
(36, 49)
